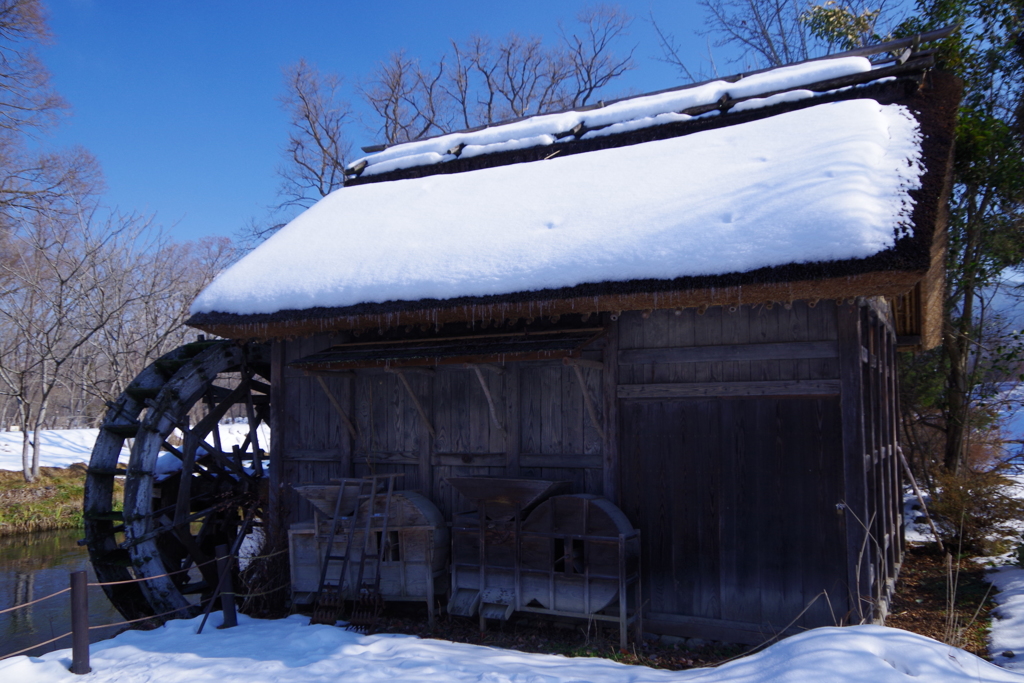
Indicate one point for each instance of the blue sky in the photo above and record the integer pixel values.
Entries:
(177, 100)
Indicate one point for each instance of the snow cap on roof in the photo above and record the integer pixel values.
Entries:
(824, 183)
(628, 114)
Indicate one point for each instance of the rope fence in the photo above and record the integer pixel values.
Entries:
(135, 621)
(32, 647)
(246, 596)
(29, 604)
(158, 576)
(79, 612)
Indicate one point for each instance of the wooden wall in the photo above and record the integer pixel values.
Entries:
(541, 431)
(753, 447)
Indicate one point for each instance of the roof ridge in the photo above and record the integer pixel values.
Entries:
(910, 43)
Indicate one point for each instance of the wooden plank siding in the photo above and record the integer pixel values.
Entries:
(731, 459)
(542, 431)
(753, 446)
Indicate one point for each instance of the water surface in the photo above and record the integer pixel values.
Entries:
(33, 566)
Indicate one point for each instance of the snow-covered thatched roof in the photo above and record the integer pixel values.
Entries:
(785, 177)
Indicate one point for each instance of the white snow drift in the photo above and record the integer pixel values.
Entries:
(290, 650)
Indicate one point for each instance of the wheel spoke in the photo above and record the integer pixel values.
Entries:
(159, 514)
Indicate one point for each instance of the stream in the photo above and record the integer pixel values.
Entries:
(33, 566)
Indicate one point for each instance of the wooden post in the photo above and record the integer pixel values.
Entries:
(227, 591)
(610, 444)
(855, 509)
(79, 623)
(276, 525)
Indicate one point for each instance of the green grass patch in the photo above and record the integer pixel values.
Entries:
(53, 501)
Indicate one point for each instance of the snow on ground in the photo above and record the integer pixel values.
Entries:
(1006, 640)
(260, 651)
(60, 448)
(63, 447)
(727, 200)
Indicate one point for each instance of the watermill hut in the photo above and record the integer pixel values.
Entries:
(688, 303)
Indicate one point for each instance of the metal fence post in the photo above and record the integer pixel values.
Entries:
(227, 589)
(79, 623)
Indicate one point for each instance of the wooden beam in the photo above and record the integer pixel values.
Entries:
(389, 458)
(588, 401)
(337, 407)
(486, 366)
(275, 468)
(490, 401)
(562, 460)
(804, 387)
(416, 401)
(329, 373)
(854, 465)
(731, 352)
(610, 445)
(469, 459)
(583, 363)
(513, 420)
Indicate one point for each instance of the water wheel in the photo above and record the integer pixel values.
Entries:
(181, 499)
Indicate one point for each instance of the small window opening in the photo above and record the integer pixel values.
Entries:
(392, 551)
(569, 555)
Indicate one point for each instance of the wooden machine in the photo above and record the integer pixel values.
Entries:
(527, 549)
(398, 549)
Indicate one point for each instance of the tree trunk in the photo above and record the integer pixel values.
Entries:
(958, 402)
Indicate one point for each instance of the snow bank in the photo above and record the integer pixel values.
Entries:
(63, 447)
(825, 183)
(1007, 634)
(59, 448)
(290, 650)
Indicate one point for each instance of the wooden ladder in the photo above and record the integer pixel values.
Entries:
(330, 598)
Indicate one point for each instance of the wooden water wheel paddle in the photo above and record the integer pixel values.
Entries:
(181, 499)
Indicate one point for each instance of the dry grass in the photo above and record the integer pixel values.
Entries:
(922, 600)
(53, 501)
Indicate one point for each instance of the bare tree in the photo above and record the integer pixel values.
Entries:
(317, 145)
(408, 100)
(593, 61)
(55, 303)
(768, 33)
(477, 82)
(168, 276)
(482, 81)
(26, 99)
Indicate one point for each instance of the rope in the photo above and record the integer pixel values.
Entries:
(133, 621)
(261, 557)
(256, 595)
(150, 578)
(47, 642)
(26, 604)
(178, 571)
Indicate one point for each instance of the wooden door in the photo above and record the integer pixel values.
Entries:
(736, 502)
